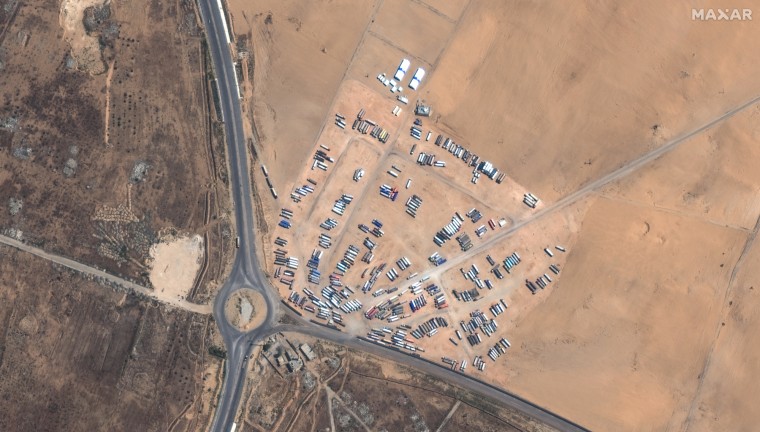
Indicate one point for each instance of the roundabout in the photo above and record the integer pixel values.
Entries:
(245, 309)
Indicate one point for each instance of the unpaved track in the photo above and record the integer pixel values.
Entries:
(588, 189)
(82, 268)
(247, 269)
(448, 416)
(747, 247)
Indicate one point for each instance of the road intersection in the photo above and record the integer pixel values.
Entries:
(247, 271)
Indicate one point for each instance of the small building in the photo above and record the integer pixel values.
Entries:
(306, 350)
(291, 355)
(488, 169)
(294, 365)
(422, 110)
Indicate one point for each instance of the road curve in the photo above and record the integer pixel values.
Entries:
(246, 270)
(444, 374)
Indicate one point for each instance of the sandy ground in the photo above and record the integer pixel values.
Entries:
(724, 400)
(246, 309)
(399, 23)
(621, 341)
(175, 264)
(301, 51)
(630, 336)
(84, 48)
(712, 176)
(560, 95)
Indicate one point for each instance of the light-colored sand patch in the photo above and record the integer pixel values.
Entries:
(175, 263)
(246, 309)
(84, 48)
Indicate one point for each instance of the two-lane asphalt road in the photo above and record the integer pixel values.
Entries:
(246, 270)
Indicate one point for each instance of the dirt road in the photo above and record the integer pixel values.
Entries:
(74, 265)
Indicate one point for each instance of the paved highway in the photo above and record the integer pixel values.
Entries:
(246, 271)
(433, 369)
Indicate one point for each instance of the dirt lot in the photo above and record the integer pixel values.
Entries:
(175, 264)
(353, 391)
(300, 53)
(443, 193)
(78, 356)
(246, 309)
(722, 400)
(560, 95)
(561, 229)
(98, 146)
(631, 336)
(632, 319)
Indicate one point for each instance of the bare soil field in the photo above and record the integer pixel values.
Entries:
(176, 262)
(246, 309)
(631, 319)
(712, 176)
(723, 399)
(79, 356)
(355, 392)
(560, 95)
(451, 9)
(413, 27)
(299, 53)
(106, 149)
(631, 335)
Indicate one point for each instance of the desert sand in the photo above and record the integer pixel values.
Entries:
(559, 95)
(649, 326)
(175, 264)
(246, 309)
(84, 48)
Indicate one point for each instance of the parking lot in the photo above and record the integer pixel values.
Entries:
(389, 197)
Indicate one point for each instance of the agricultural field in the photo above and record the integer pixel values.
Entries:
(78, 355)
(107, 141)
(350, 391)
